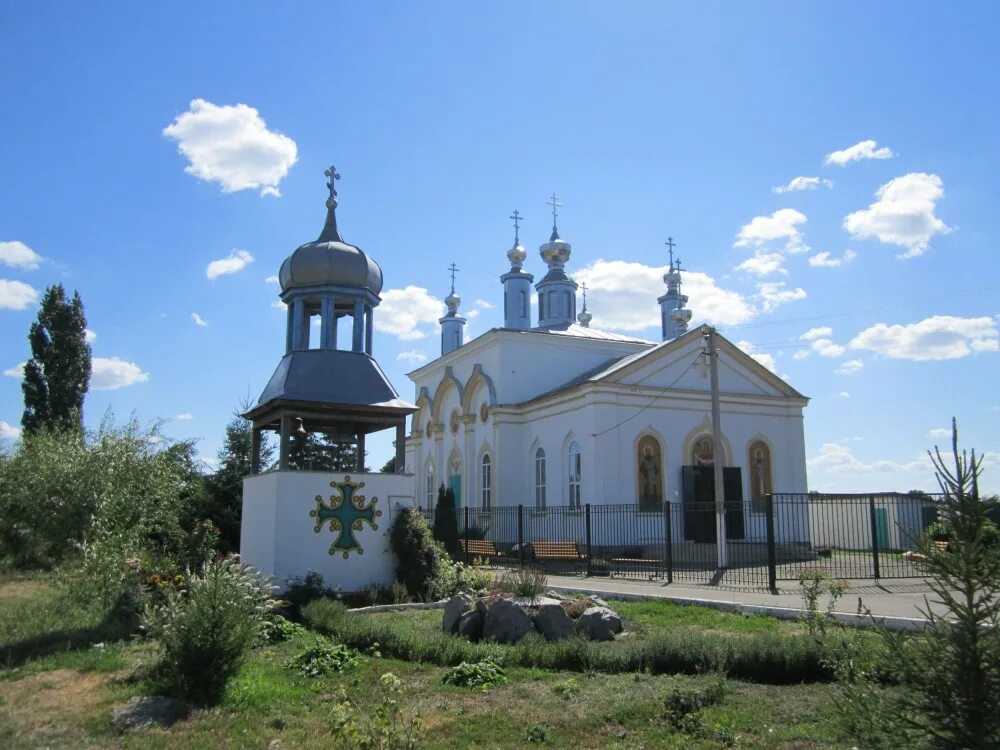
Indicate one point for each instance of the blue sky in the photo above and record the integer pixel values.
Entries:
(128, 168)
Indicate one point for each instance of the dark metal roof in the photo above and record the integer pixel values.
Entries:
(331, 377)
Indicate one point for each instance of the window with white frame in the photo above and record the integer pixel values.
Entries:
(429, 487)
(540, 479)
(487, 490)
(575, 475)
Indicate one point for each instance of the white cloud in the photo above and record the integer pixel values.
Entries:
(820, 342)
(412, 356)
(237, 261)
(472, 314)
(271, 280)
(844, 394)
(801, 354)
(839, 459)
(850, 367)
(90, 336)
(9, 431)
(231, 146)
(773, 294)
(781, 225)
(279, 305)
(859, 152)
(184, 416)
(825, 260)
(903, 214)
(111, 373)
(17, 371)
(18, 255)
(16, 295)
(484, 304)
(939, 432)
(763, 263)
(936, 338)
(622, 296)
(803, 183)
(198, 320)
(764, 358)
(403, 311)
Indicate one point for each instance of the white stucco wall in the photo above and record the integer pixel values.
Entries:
(278, 535)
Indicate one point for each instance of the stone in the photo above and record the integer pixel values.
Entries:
(153, 711)
(506, 622)
(599, 624)
(471, 625)
(552, 622)
(453, 611)
(534, 601)
(598, 602)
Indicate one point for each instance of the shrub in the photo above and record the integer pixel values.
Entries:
(454, 577)
(383, 726)
(683, 704)
(324, 658)
(538, 733)
(481, 675)
(302, 590)
(815, 584)
(418, 558)
(528, 582)
(205, 630)
(277, 629)
(400, 594)
(446, 521)
(567, 688)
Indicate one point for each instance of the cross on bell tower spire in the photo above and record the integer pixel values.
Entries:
(334, 175)
(670, 244)
(554, 202)
(516, 216)
(454, 269)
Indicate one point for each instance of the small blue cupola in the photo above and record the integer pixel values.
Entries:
(517, 284)
(452, 324)
(556, 291)
(674, 317)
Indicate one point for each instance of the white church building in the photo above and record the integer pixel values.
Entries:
(554, 413)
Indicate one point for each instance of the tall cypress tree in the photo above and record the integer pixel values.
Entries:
(57, 376)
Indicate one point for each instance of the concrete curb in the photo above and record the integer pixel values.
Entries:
(400, 607)
(850, 619)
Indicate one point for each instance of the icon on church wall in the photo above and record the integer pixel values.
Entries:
(703, 453)
(453, 421)
(484, 411)
(650, 475)
(345, 514)
(760, 475)
(428, 428)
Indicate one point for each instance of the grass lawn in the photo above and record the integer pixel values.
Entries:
(63, 698)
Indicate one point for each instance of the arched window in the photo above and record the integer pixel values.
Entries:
(575, 475)
(524, 304)
(540, 479)
(429, 487)
(566, 304)
(760, 474)
(487, 489)
(541, 307)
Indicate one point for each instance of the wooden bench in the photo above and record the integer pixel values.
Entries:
(557, 552)
(482, 548)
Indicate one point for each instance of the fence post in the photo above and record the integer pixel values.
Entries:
(772, 550)
(587, 516)
(466, 534)
(520, 535)
(668, 532)
(874, 527)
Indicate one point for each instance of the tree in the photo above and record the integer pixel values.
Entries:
(227, 482)
(389, 467)
(57, 376)
(446, 521)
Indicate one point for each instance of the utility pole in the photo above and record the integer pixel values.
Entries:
(720, 492)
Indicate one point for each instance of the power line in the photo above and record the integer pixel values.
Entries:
(652, 400)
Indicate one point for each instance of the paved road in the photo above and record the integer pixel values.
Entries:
(887, 599)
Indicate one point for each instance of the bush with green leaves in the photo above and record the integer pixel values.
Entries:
(530, 582)
(324, 658)
(481, 675)
(382, 726)
(683, 704)
(205, 630)
(418, 557)
(278, 629)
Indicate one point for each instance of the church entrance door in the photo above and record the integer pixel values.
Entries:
(455, 482)
(699, 502)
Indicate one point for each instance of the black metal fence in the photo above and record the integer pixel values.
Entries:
(844, 536)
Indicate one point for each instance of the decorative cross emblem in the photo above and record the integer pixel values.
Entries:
(516, 216)
(345, 514)
(454, 269)
(583, 286)
(670, 244)
(554, 202)
(334, 175)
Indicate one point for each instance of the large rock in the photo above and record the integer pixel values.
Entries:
(155, 711)
(471, 625)
(553, 622)
(453, 611)
(599, 624)
(506, 622)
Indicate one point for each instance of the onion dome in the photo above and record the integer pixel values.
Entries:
(328, 260)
